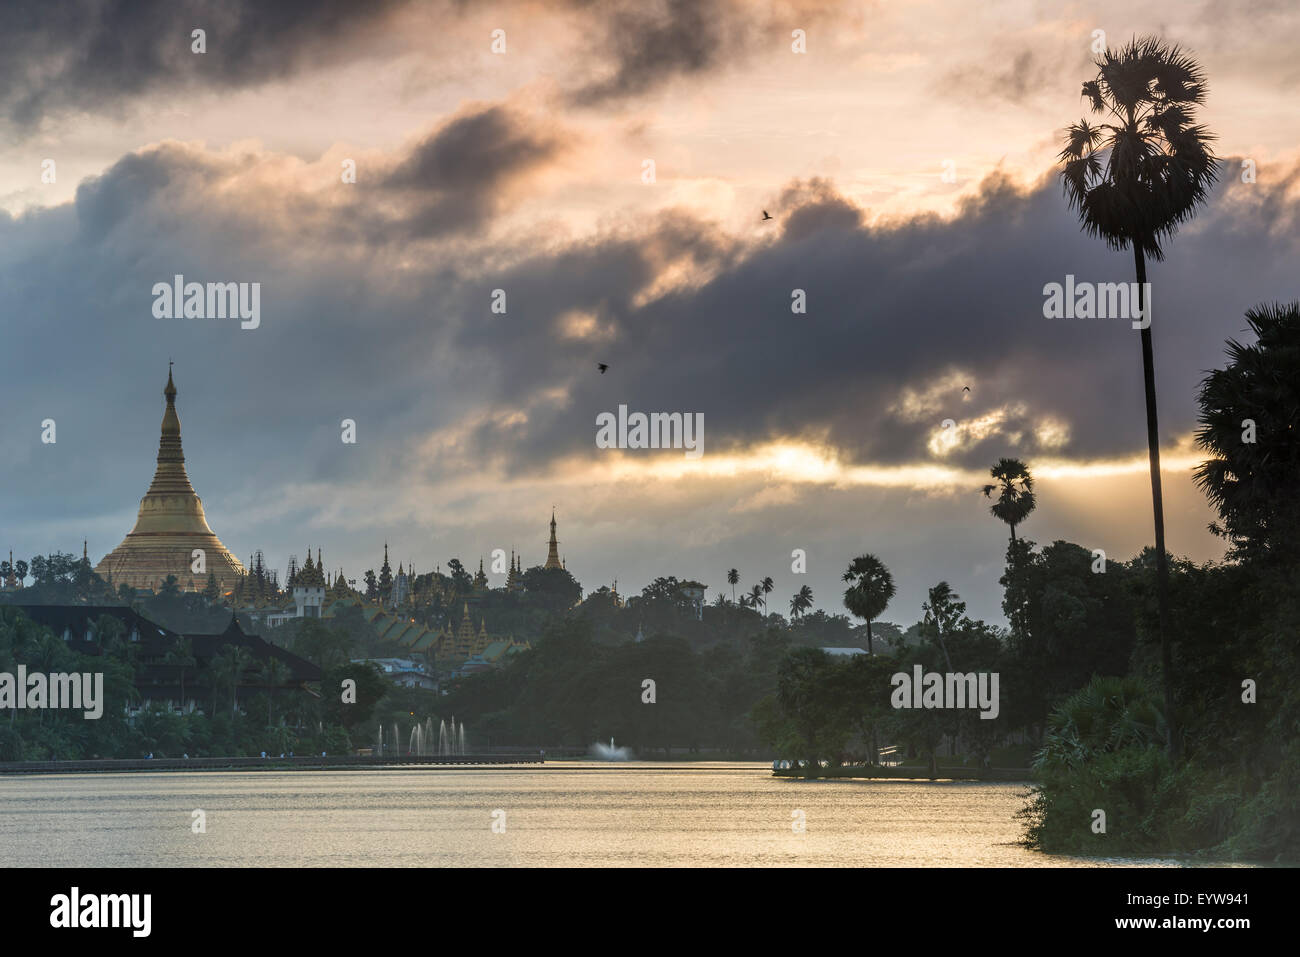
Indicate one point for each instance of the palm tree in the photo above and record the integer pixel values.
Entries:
(273, 674)
(733, 579)
(801, 602)
(1015, 488)
(871, 588)
(181, 655)
(756, 597)
(944, 612)
(1134, 181)
(767, 586)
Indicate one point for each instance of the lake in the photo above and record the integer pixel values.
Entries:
(578, 813)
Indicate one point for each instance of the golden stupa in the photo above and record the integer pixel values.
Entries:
(170, 526)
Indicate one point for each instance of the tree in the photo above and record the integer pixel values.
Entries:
(181, 655)
(230, 664)
(170, 588)
(944, 614)
(870, 591)
(767, 586)
(801, 602)
(1250, 426)
(733, 579)
(18, 569)
(460, 578)
(1133, 183)
(272, 674)
(213, 591)
(756, 597)
(807, 694)
(1015, 488)
(372, 585)
(553, 588)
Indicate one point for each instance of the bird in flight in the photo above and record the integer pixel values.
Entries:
(602, 367)
(766, 215)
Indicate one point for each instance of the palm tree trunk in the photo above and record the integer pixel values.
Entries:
(1157, 505)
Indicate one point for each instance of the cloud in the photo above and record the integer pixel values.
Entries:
(65, 56)
(468, 168)
(639, 46)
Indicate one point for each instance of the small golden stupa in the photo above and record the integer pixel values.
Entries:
(171, 526)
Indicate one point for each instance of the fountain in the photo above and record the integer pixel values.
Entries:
(462, 738)
(442, 738)
(610, 753)
(397, 740)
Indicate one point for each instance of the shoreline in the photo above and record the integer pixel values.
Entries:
(297, 763)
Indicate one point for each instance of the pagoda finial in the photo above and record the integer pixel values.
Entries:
(552, 550)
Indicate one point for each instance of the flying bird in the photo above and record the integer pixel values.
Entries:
(766, 215)
(602, 367)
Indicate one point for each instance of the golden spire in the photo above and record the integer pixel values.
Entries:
(170, 477)
(553, 551)
(170, 524)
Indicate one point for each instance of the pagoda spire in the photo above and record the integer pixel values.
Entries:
(170, 476)
(553, 549)
(170, 524)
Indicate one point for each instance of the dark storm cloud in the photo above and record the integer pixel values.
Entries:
(60, 56)
(459, 175)
(651, 42)
(889, 308)
(640, 45)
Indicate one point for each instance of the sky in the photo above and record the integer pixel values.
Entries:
(906, 159)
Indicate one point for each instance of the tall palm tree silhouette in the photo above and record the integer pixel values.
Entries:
(801, 602)
(733, 578)
(871, 588)
(1134, 181)
(1015, 488)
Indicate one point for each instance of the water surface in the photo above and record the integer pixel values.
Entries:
(558, 814)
